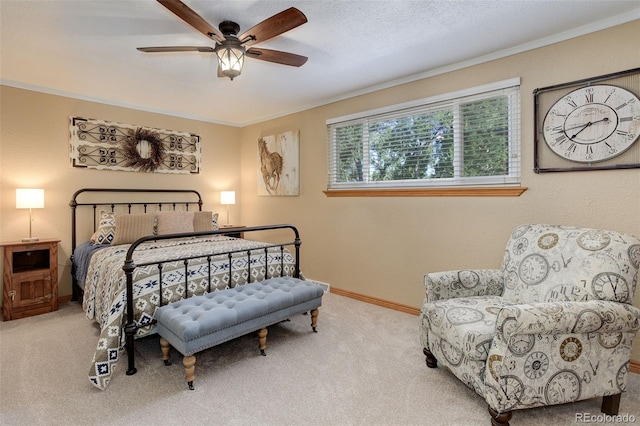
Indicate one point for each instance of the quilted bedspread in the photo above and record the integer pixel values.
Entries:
(105, 297)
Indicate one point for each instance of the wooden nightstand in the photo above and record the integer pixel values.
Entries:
(30, 278)
(235, 230)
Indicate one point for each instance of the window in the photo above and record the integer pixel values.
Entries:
(467, 138)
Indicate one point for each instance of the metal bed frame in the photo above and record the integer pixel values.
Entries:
(74, 204)
(129, 265)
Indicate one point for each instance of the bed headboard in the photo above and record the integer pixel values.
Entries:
(129, 199)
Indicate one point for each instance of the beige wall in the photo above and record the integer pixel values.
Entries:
(381, 247)
(34, 152)
(378, 247)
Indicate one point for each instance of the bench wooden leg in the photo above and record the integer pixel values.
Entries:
(189, 363)
(262, 341)
(314, 320)
(166, 348)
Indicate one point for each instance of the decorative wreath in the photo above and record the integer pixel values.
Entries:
(132, 154)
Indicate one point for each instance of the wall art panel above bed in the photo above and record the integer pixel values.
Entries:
(98, 144)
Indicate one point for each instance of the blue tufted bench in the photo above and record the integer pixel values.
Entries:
(200, 322)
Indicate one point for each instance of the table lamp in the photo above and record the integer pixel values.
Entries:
(227, 198)
(30, 199)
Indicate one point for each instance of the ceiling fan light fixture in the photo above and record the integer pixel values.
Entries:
(230, 59)
(230, 48)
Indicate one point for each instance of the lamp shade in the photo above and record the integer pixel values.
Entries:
(230, 59)
(227, 197)
(29, 198)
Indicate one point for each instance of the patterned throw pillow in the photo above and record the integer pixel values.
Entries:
(215, 221)
(106, 228)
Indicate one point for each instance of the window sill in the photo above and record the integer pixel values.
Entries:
(504, 191)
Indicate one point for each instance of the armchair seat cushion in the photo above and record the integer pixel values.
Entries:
(466, 323)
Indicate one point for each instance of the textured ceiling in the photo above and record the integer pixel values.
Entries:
(87, 49)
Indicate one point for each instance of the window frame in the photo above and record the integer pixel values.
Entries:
(503, 185)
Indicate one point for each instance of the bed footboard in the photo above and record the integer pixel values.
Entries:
(130, 266)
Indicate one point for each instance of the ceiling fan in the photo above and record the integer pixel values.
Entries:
(230, 48)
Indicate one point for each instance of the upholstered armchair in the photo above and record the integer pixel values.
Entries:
(554, 325)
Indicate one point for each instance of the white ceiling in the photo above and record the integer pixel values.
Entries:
(87, 49)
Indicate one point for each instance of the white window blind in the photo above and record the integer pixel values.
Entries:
(464, 139)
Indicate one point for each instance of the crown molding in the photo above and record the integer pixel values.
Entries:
(545, 41)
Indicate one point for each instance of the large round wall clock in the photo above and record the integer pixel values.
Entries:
(589, 124)
(593, 123)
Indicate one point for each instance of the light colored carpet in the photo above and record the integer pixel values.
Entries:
(363, 367)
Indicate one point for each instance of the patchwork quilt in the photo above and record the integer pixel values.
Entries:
(201, 261)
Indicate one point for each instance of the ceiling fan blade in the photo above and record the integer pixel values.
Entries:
(185, 13)
(276, 25)
(205, 49)
(277, 56)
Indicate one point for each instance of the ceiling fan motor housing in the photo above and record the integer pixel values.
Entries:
(229, 28)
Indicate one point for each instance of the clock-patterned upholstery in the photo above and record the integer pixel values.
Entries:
(555, 324)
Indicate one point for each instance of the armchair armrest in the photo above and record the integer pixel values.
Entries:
(552, 335)
(602, 316)
(463, 283)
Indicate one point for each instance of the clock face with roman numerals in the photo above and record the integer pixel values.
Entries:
(593, 123)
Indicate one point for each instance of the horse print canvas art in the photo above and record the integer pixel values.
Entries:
(278, 160)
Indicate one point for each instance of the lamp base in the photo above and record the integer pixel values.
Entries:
(30, 239)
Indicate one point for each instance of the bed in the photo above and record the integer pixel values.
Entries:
(139, 249)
